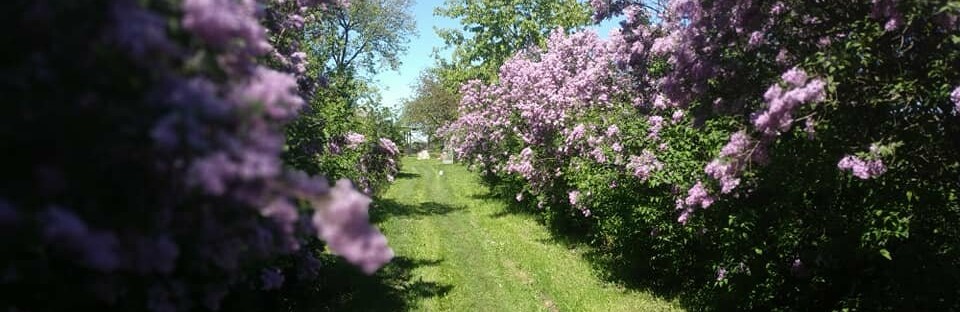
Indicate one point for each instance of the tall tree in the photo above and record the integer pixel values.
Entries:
(493, 30)
(433, 104)
(367, 36)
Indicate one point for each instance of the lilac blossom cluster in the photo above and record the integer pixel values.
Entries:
(697, 196)
(284, 21)
(781, 103)
(863, 169)
(955, 98)
(540, 96)
(868, 167)
(354, 140)
(390, 147)
(345, 226)
(373, 163)
(887, 9)
(727, 167)
(691, 110)
(644, 165)
(218, 23)
(742, 149)
(377, 163)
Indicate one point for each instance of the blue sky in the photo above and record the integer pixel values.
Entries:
(395, 85)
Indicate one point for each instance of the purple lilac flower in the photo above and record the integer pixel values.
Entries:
(666, 45)
(612, 131)
(796, 77)
(738, 144)
(70, 234)
(574, 197)
(140, 32)
(222, 22)
(697, 196)
(887, 9)
(273, 90)
(284, 213)
(781, 103)
(577, 133)
(522, 165)
(271, 278)
(783, 56)
(863, 169)
(685, 216)
(726, 168)
(725, 172)
(721, 274)
(656, 124)
(354, 140)
(756, 39)
(796, 265)
(600, 8)
(389, 146)
(299, 62)
(616, 147)
(598, 155)
(215, 145)
(644, 165)
(343, 222)
(677, 116)
(294, 21)
(661, 102)
(955, 98)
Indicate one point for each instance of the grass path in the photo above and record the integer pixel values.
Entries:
(458, 250)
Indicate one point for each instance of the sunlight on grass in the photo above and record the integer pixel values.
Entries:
(461, 251)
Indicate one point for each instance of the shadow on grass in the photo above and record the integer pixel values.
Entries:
(344, 288)
(383, 209)
(407, 175)
(573, 234)
(511, 207)
(393, 288)
(625, 269)
(340, 286)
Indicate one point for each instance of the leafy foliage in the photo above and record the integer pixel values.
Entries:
(754, 155)
(433, 105)
(145, 168)
(367, 35)
(494, 30)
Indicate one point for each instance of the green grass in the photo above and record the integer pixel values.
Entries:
(459, 250)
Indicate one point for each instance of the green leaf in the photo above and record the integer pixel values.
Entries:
(885, 254)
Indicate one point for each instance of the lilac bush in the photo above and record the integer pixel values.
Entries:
(759, 111)
(146, 171)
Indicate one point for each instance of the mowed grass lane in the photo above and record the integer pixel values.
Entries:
(458, 250)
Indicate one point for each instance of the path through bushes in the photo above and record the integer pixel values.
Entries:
(460, 250)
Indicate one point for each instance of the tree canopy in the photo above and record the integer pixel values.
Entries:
(367, 36)
(493, 30)
(432, 106)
